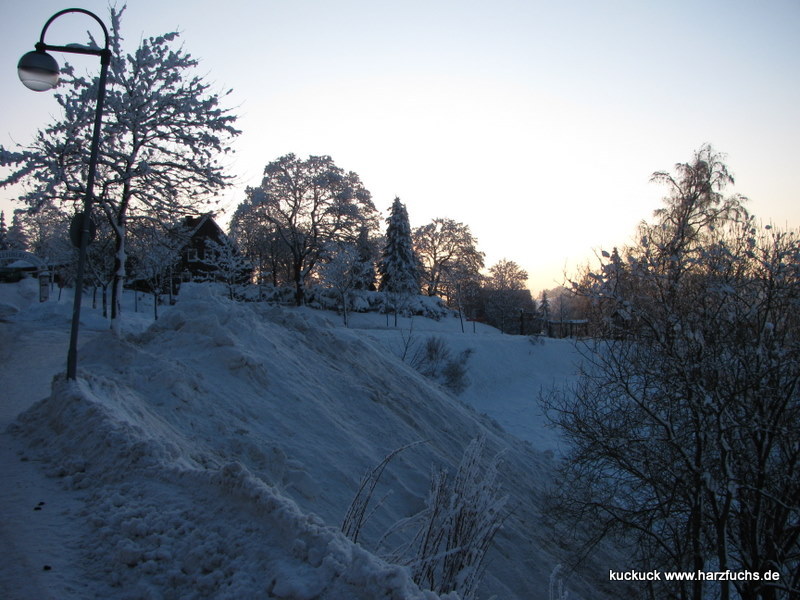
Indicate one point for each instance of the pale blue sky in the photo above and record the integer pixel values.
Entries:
(536, 123)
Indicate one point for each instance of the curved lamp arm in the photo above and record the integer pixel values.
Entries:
(75, 49)
(39, 71)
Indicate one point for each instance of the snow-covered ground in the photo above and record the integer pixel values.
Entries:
(214, 453)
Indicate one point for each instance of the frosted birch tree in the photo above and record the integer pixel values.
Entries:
(163, 134)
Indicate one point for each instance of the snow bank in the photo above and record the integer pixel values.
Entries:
(217, 451)
(163, 526)
(16, 296)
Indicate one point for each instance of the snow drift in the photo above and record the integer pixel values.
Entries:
(217, 452)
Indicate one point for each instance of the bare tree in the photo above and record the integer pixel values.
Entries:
(681, 426)
(447, 254)
(259, 241)
(342, 271)
(310, 203)
(506, 294)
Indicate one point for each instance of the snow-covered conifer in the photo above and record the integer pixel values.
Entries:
(544, 306)
(399, 266)
(3, 232)
(16, 239)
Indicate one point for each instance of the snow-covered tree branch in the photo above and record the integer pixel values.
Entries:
(163, 133)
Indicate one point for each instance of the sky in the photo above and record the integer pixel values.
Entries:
(538, 124)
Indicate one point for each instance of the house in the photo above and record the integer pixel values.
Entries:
(189, 255)
(195, 232)
(18, 264)
(183, 253)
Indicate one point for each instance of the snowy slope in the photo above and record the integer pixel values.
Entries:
(506, 372)
(214, 454)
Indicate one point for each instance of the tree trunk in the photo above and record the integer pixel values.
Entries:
(696, 514)
(344, 308)
(171, 284)
(299, 293)
(119, 274)
(105, 301)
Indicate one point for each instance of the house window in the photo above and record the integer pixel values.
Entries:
(191, 255)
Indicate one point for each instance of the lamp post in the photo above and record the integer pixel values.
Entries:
(39, 71)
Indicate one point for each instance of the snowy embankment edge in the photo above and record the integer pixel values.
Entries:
(93, 442)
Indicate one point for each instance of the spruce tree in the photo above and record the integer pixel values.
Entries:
(544, 306)
(3, 232)
(16, 239)
(399, 266)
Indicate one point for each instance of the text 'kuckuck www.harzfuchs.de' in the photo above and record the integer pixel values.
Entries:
(692, 576)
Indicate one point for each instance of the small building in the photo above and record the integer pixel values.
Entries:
(196, 231)
(535, 324)
(573, 328)
(18, 264)
(187, 247)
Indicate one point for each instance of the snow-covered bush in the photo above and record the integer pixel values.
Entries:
(454, 373)
(682, 428)
(430, 357)
(368, 301)
(454, 531)
(462, 515)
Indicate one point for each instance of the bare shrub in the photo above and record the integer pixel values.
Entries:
(434, 359)
(430, 358)
(454, 373)
(455, 530)
(356, 515)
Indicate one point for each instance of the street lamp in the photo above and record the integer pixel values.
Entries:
(39, 71)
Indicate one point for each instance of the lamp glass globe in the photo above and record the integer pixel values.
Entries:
(38, 71)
